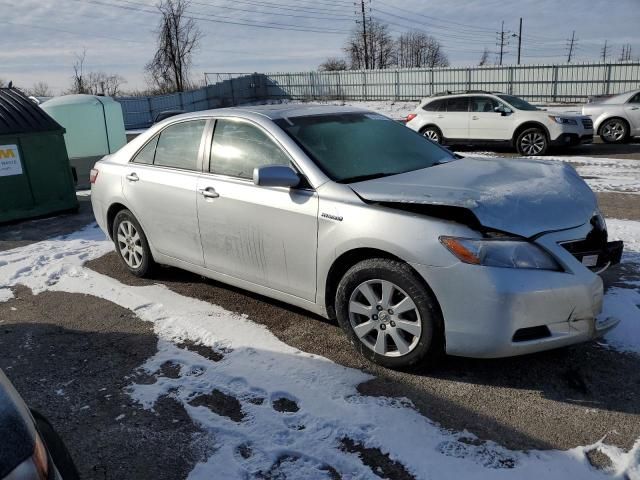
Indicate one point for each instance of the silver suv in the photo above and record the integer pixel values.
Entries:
(349, 214)
(478, 117)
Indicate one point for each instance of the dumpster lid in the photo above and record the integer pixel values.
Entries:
(18, 114)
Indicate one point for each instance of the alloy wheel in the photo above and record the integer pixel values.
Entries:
(432, 135)
(385, 318)
(614, 131)
(533, 143)
(130, 244)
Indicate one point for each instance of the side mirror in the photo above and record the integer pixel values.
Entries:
(502, 110)
(276, 176)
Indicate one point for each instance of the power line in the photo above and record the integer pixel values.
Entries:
(221, 19)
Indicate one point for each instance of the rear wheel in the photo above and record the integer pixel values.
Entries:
(388, 314)
(432, 133)
(614, 130)
(131, 244)
(532, 141)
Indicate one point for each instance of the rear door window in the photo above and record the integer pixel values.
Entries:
(179, 144)
(483, 104)
(458, 104)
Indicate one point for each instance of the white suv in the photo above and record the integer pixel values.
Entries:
(478, 117)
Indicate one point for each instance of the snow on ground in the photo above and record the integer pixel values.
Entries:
(260, 371)
(624, 302)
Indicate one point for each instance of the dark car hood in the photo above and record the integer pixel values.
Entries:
(522, 197)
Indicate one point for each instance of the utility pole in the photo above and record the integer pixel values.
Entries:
(571, 45)
(604, 52)
(520, 41)
(502, 41)
(364, 35)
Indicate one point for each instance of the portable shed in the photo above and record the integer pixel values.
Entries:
(35, 177)
(94, 128)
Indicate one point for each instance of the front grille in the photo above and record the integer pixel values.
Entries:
(594, 243)
(587, 123)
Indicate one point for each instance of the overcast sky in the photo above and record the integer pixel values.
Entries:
(41, 37)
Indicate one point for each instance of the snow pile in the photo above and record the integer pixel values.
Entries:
(272, 408)
(624, 302)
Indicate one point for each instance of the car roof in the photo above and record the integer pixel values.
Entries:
(275, 112)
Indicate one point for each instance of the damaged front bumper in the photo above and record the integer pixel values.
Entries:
(494, 312)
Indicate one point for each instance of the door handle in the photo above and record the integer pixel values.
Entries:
(133, 177)
(209, 192)
(475, 117)
(634, 108)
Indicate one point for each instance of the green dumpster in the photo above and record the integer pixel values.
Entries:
(35, 176)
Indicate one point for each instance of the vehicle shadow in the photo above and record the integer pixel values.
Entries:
(535, 401)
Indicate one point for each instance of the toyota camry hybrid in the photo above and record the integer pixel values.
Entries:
(351, 215)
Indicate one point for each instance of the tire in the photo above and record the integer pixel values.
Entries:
(423, 337)
(131, 244)
(614, 130)
(433, 133)
(532, 141)
(56, 448)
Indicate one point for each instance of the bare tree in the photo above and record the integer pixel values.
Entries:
(78, 78)
(484, 59)
(178, 38)
(40, 89)
(333, 64)
(2, 83)
(416, 49)
(380, 47)
(101, 83)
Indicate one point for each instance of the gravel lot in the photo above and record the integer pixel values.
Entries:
(72, 356)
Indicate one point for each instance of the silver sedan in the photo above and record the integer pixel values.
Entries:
(616, 118)
(353, 216)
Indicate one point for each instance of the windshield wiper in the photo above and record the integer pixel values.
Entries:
(362, 178)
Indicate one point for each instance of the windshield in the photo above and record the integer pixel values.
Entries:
(351, 147)
(517, 102)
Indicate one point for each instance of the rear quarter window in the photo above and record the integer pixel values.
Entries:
(435, 106)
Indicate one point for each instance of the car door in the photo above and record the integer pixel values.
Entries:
(160, 186)
(263, 235)
(487, 124)
(454, 123)
(632, 109)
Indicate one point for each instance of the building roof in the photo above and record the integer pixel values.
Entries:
(18, 114)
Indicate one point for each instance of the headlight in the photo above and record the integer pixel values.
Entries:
(506, 253)
(563, 120)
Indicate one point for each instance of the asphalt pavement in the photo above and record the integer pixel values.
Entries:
(72, 356)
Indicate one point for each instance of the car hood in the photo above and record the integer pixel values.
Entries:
(521, 197)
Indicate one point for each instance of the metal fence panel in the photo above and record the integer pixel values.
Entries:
(537, 83)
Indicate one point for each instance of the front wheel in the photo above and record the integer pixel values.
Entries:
(388, 314)
(131, 244)
(614, 130)
(532, 141)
